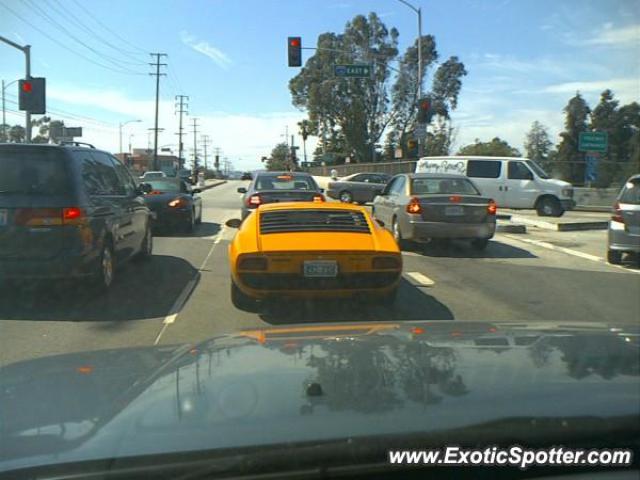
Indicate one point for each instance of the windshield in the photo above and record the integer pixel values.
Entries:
(301, 234)
(538, 169)
(284, 182)
(442, 186)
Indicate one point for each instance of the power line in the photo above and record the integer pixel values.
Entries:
(81, 24)
(56, 41)
(117, 62)
(95, 19)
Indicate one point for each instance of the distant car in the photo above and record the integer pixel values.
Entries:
(312, 250)
(152, 176)
(359, 187)
(68, 211)
(624, 227)
(270, 187)
(423, 207)
(175, 203)
(246, 176)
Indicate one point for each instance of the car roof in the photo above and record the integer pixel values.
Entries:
(283, 173)
(435, 175)
(474, 157)
(314, 205)
(52, 146)
(369, 173)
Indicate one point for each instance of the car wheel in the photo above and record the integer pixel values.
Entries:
(397, 234)
(480, 243)
(549, 207)
(146, 249)
(614, 257)
(199, 219)
(242, 301)
(106, 268)
(346, 197)
(191, 222)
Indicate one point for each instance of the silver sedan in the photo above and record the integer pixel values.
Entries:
(624, 227)
(423, 207)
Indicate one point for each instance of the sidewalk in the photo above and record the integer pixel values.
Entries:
(211, 183)
(570, 221)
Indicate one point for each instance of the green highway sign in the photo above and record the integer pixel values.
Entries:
(352, 71)
(593, 142)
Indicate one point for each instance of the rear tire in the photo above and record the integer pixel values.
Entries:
(105, 275)
(242, 301)
(346, 197)
(480, 244)
(397, 234)
(191, 222)
(549, 207)
(614, 257)
(146, 250)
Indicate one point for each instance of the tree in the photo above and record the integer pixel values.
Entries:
(438, 142)
(279, 159)
(4, 132)
(17, 134)
(570, 160)
(48, 130)
(537, 144)
(494, 148)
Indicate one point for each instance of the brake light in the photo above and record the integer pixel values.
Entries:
(45, 217)
(156, 192)
(386, 263)
(414, 206)
(417, 330)
(617, 213)
(318, 198)
(455, 198)
(254, 201)
(178, 203)
(71, 213)
(252, 263)
(492, 208)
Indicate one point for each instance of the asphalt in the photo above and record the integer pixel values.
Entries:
(182, 294)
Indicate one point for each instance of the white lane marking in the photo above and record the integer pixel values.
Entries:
(420, 280)
(186, 291)
(569, 251)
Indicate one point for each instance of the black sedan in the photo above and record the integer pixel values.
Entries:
(174, 203)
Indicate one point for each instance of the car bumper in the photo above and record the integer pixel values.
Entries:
(416, 230)
(620, 239)
(262, 286)
(60, 267)
(568, 204)
(170, 218)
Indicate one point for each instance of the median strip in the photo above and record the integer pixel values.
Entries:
(420, 280)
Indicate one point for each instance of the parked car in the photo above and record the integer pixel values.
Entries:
(246, 176)
(359, 187)
(423, 207)
(175, 204)
(270, 187)
(312, 250)
(624, 227)
(517, 183)
(152, 175)
(68, 211)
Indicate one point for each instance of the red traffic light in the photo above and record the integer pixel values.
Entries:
(294, 42)
(27, 87)
(425, 105)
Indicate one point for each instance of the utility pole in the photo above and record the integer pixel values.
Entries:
(4, 117)
(205, 144)
(181, 110)
(157, 74)
(195, 145)
(27, 57)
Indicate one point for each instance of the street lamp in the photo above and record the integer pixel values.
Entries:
(4, 110)
(418, 11)
(120, 130)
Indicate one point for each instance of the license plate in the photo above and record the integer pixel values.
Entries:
(320, 268)
(455, 210)
(4, 215)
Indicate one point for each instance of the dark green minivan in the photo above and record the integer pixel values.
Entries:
(68, 211)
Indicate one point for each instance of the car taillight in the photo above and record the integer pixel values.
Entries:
(254, 201)
(387, 263)
(455, 198)
(44, 217)
(252, 263)
(492, 208)
(155, 192)
(414, 206)
(318, 198)
(617, 213)
(178, 203)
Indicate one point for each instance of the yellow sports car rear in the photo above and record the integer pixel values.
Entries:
(312, 250)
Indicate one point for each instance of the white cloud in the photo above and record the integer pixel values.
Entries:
(626, 89)
(610, 36)
(506, 63)
(218, 56)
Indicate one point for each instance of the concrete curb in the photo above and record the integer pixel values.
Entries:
(511, 228)
(561, 226)
(207, 187)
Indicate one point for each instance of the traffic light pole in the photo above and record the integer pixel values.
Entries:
(27, 54)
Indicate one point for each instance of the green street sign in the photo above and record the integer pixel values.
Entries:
(593, 142)
(352, 71)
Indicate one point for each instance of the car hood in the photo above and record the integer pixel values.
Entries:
(313, 383)
(558, 183)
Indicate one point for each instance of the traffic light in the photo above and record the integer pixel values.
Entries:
(424, 110)
(295, 51)
(32, 95)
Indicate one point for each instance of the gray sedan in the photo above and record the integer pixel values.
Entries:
(422, 207)
(624, 227)
(359, 187)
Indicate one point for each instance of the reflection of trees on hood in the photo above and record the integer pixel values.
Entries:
(604, 356)
(366, 377)
(540, 353)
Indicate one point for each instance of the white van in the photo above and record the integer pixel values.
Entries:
(517, 183)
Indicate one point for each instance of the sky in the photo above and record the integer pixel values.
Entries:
(525, 59)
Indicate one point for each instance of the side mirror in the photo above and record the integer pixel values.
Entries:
(145, 188)
(380, 222)
(321, 190)
(195, 190)
(242, 190)
(233, 223)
